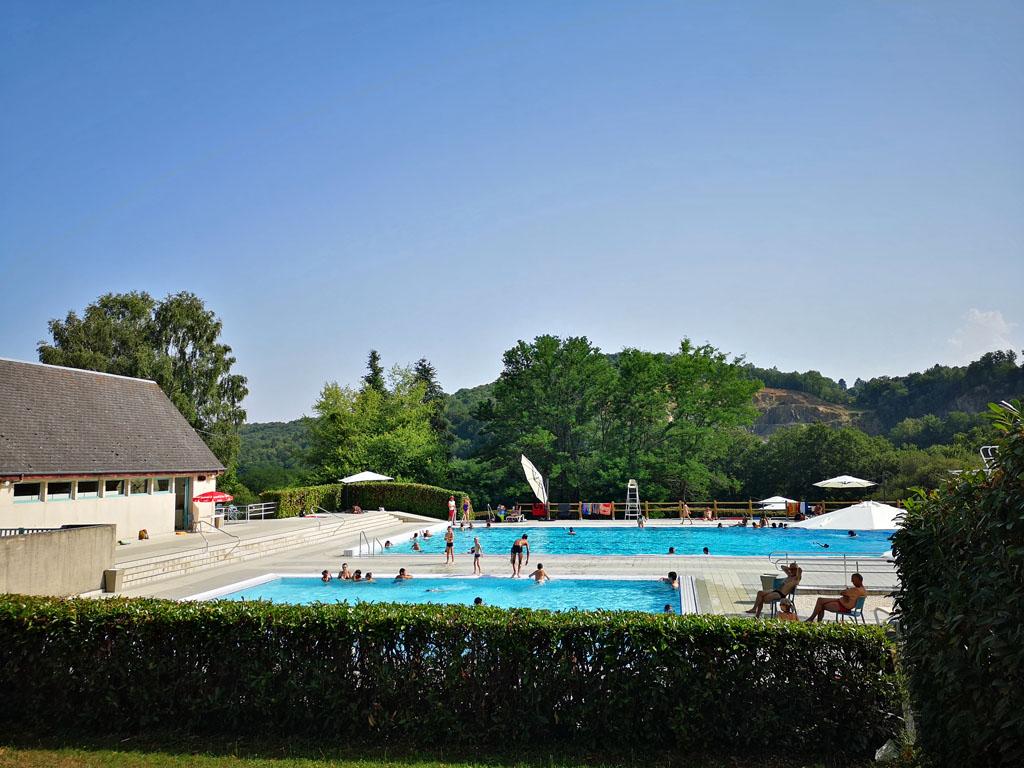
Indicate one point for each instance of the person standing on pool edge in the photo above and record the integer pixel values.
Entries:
(451, 509)
(517, 554)
(477, 551)
(449, 546)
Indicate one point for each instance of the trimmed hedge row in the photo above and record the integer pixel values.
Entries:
(415, 498)
(388, 674)
(960, 557)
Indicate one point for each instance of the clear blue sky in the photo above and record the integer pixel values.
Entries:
(832, 185)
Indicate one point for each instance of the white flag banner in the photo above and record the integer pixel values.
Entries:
(535, 479)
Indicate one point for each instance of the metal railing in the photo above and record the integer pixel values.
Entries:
(369, 547)
(199, 530)
(249, 512)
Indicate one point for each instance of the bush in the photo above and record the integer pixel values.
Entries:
(415, 498)
(960, 557)
(386, 674)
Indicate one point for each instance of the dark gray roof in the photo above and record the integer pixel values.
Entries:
(64, 421)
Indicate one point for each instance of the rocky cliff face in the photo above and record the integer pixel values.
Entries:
(784, 407)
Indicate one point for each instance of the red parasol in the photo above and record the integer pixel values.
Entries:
(217, 496)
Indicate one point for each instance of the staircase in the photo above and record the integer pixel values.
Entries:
(222, 547)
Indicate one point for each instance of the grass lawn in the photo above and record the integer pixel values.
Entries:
(77, 757)
(24, 750)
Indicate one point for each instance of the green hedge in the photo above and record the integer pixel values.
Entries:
(386, 674)
(415, 498)
(960, 557)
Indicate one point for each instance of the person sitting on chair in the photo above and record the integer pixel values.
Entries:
(793, 575)
(845, 603)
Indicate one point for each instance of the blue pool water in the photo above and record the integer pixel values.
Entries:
(558, 594)
(687, 540)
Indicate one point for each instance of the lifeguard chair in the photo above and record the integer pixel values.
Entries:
(632, 501)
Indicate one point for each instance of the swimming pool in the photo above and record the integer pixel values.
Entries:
(686, 539)
(649, 595)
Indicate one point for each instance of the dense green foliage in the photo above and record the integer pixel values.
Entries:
(173, 341)
(415, 498)
(274, 454)
(960, 557)
(385, 673)
(387, 429)
(678, 423)
(591, 421)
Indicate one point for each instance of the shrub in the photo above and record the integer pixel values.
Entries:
(388, 674)
(960, 557)
(415, 498)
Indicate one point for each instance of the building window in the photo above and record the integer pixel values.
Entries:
(113, 488)
(87, 489)
(137, 487)
(27, 492)
(59, 491)
(161, 485)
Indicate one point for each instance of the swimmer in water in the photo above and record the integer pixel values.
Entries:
(706, 552)
(672, 579)
(368, 576)
(402, 575)
(325, 576)
(344, 573)
(851, 534)
(572, 531)
(540, 575)
(667, 608)
(671, 550)
(478, 601)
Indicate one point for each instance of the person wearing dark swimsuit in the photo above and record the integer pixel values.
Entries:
(449, 546)
(516, 558)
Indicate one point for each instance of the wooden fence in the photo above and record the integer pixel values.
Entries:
(674, 509)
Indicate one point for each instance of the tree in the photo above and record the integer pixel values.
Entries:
(434, 397)
(374, 378)
(174, 342)
(388, 431)
(711, 397)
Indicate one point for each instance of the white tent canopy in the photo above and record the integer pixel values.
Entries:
(775, 503)
(363, 477)
(865, 516)
(845, 481)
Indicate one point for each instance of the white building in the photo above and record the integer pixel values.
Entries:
(81, 447)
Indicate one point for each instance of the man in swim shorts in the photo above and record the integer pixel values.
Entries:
(518, 546)
(844, 603)
(793, 575)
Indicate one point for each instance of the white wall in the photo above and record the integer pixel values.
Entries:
(131, 513)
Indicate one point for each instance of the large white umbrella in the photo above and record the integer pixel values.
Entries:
(774, 503)
(845, 481)
(363, 477)
(865, 516)
(535, 479)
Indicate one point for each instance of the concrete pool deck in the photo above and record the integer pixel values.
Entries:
(725, 585)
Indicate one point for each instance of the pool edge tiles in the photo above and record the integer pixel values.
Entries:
(684, 601)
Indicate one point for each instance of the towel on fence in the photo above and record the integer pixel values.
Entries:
(539, 510)
(606, 510)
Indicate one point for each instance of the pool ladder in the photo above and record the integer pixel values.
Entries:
(369, 547)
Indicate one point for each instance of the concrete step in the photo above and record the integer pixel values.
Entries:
(145, 570)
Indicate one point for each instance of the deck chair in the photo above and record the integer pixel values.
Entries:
(539, 511)
(515, 515)
(778, 582)
(988, 456)
(857, 612)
